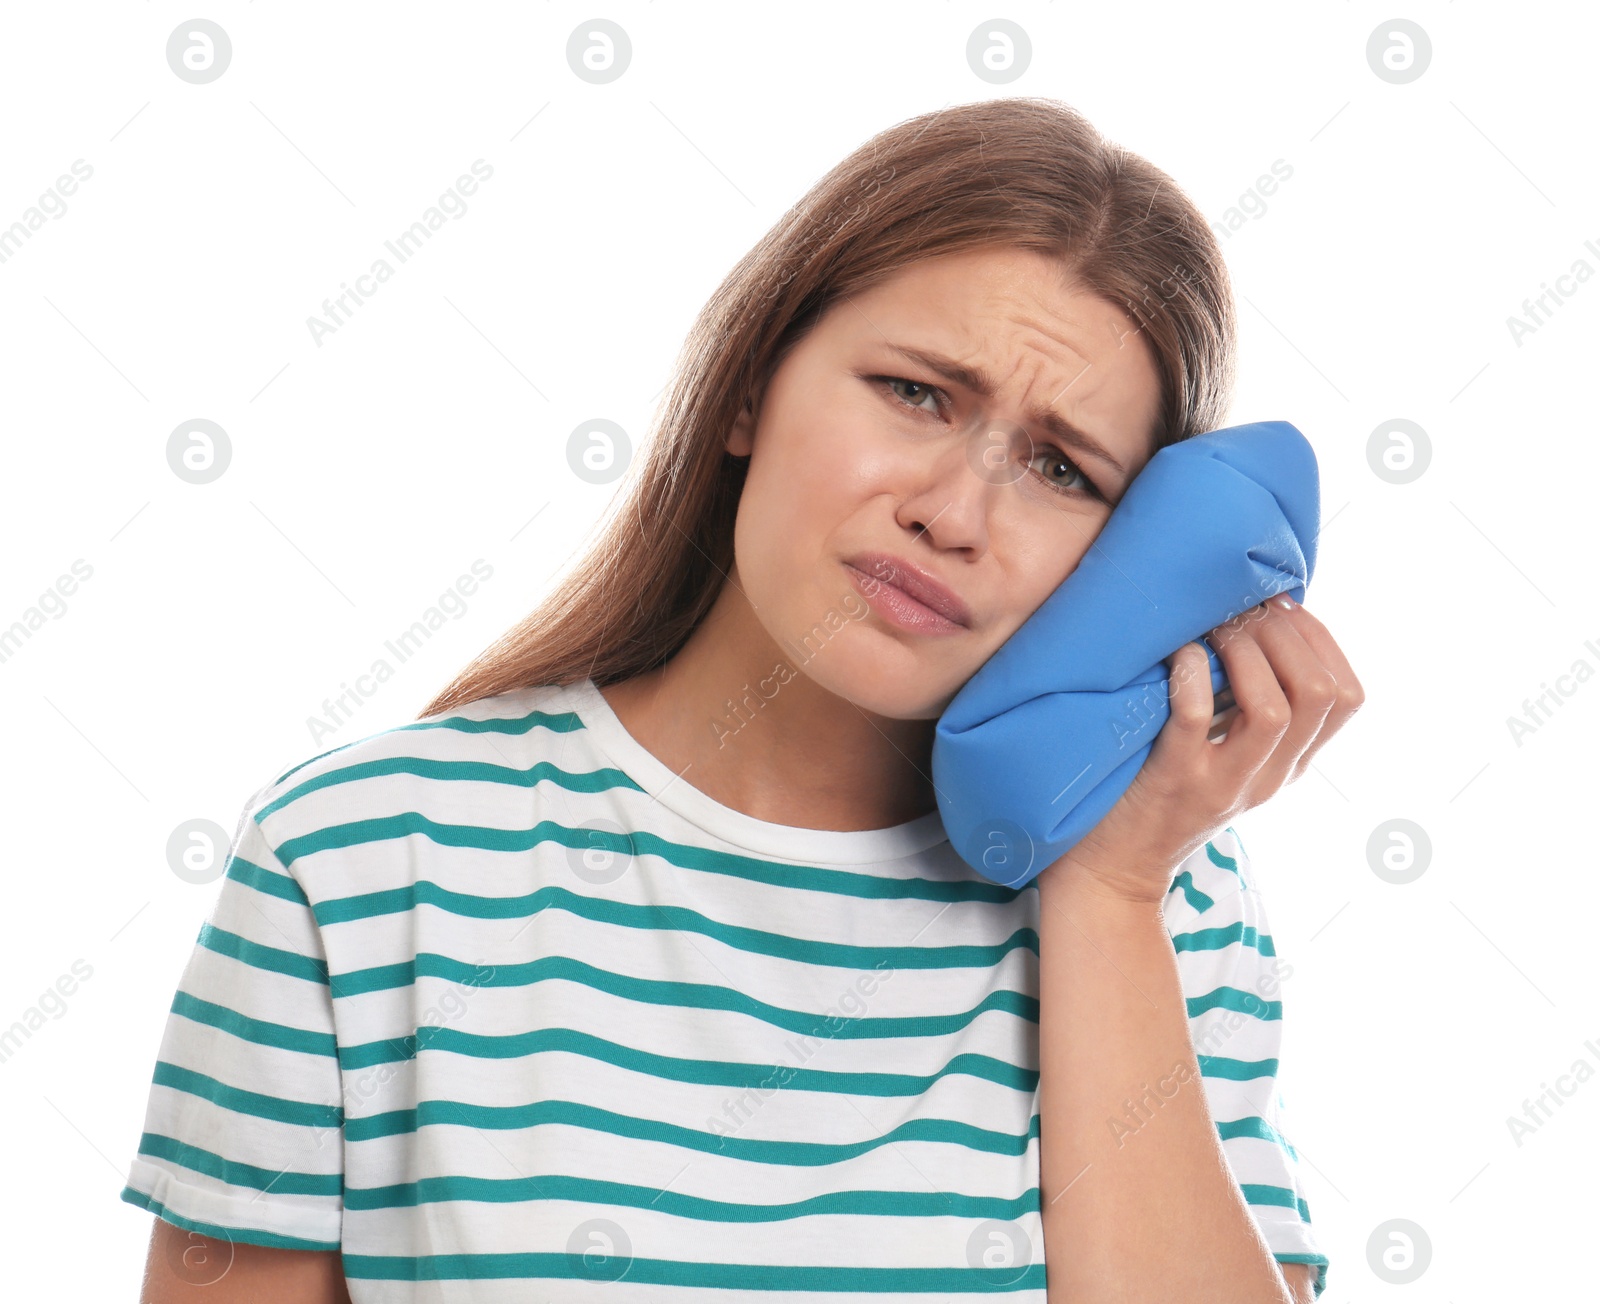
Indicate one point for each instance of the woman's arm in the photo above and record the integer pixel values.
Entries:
(187, 1268)
(1151, 1210)
(1133, 1211)
(1302, 1279)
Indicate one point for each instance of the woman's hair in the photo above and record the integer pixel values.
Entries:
(1026, 172)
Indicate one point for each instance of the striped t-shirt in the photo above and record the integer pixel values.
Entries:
(503, 1009)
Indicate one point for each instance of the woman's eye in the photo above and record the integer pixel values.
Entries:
(1054, 458)
(927, 392)
(1051, 455)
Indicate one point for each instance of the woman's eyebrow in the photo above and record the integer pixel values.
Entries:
(982, 383)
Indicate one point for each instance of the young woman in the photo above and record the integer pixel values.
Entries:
(639, 967)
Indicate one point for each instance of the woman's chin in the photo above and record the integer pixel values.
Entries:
(888, 690)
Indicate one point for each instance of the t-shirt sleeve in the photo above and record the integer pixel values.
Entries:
(243, 1130)
(1232, 979)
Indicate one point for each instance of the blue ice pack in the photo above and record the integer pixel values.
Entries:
(1037, 746)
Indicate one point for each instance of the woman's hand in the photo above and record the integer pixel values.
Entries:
(1294, 690)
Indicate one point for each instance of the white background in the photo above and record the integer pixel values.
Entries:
(367, 474)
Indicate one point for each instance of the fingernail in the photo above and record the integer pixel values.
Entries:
(1285, 601)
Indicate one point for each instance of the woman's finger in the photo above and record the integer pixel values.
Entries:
(1264, 711)
(1176, 750)
(1307, 684)
(1315, 633)
(1350, 695)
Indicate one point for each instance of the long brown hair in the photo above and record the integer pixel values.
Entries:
(1025, 172)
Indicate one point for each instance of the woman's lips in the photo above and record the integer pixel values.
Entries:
(899, 608)
(921, 586)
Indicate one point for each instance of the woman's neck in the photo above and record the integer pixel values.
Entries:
(734, 718)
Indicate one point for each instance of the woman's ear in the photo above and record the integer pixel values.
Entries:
(741, 438)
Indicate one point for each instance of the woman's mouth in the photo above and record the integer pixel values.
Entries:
(899, 608)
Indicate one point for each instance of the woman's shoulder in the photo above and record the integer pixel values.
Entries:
(1211, 880)
(470, 766)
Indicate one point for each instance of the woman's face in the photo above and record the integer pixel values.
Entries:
(857, 448)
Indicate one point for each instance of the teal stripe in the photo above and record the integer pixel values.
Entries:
(1193, 895)
(649, 991)
(238, 1235)
(1232, 998)
(258, 1031)
(1216, 939)
(279, 1182)
(796, 1154)
(1218, 858)
(300, 1113)
(770, 873)
(596, 1191)
(894, 1204)
(258, 956)
(730, 1073)
(793, 1154)
(1257, 1128)
(425, 964)
(426, 767)
(1235, 1070)
(656, 918)
(555, 721)
(706, 1276)
(1276, 1197)
(266, 880)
